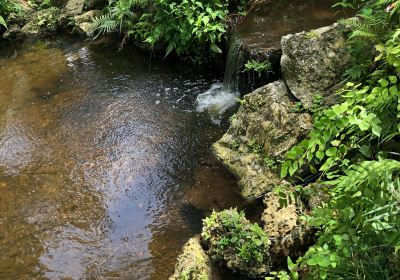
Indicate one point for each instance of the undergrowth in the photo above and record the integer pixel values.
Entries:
(354, 148)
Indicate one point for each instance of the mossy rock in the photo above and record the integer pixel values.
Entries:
(43, 22)
(236, 242)
(262, 131)
(193, 263)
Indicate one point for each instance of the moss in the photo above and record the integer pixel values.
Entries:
(231, 238)
(193, 263)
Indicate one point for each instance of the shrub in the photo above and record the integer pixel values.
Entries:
(233, 239)
(186, 26)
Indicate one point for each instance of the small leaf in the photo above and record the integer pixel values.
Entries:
(215, 48)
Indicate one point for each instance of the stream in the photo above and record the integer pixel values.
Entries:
(97, 151)
(105, 166)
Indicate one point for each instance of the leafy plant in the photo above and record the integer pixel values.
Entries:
(353, 148)
(6, 7)
(257, 66)
(368, 196)
(186, 27)
(232, 238)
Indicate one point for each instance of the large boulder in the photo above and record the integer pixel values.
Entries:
(264, 128)
(193, 263)
(313, 62)
(42, 23)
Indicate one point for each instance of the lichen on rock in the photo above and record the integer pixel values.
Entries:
(313, 62)
(236, 242)
(193, 263)
(43, 22)
(264, 128)
(289, 235)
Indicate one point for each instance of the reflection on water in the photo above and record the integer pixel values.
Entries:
(271, 19)
(97, 150)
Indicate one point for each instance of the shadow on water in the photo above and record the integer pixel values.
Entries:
(97, 151)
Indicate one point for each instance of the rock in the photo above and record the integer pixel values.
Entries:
(264, 128)
(209, 176)
(86, 17)
(83, 22)
(73, 8)
(193, 263)
(313, 62)
(289, 236)
(43, 22)
(236, 242)
(20, 18)
(12, 32)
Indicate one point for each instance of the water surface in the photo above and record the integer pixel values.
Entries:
(97, 151)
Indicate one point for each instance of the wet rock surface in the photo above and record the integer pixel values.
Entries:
(313, 62)
(193, 263)
(264, 128)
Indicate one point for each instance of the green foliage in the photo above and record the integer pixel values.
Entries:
(368, 196)
(40, 4)
(257, 66)
(354, 145)
(231, 237)
(6, 7)
(186, 27)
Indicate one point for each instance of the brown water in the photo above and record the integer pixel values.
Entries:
(97, 152)
(272, 19)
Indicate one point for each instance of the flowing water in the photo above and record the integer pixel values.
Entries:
(262, 30)
(222, 96)
(97, 152)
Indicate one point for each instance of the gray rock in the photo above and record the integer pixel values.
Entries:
(264, 128)
(73, 8)
(193, 263)
(12, 32)
(313, 62)
(86, 17)
(84, 22)
(42, 23)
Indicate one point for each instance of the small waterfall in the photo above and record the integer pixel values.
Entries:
(233, 64)
(222, 96)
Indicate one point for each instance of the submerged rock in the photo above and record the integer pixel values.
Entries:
(193, 263)
(264, 128)
(42, 23)
(313, 62)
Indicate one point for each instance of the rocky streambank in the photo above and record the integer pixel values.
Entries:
(270, 121)
(65, 15)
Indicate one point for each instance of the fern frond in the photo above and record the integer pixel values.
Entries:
(103, 24)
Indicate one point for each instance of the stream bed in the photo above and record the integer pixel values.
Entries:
(98, 149)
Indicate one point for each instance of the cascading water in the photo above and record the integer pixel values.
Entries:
(222, 96)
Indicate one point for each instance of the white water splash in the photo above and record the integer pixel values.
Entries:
(221, 96)
(216, 100)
